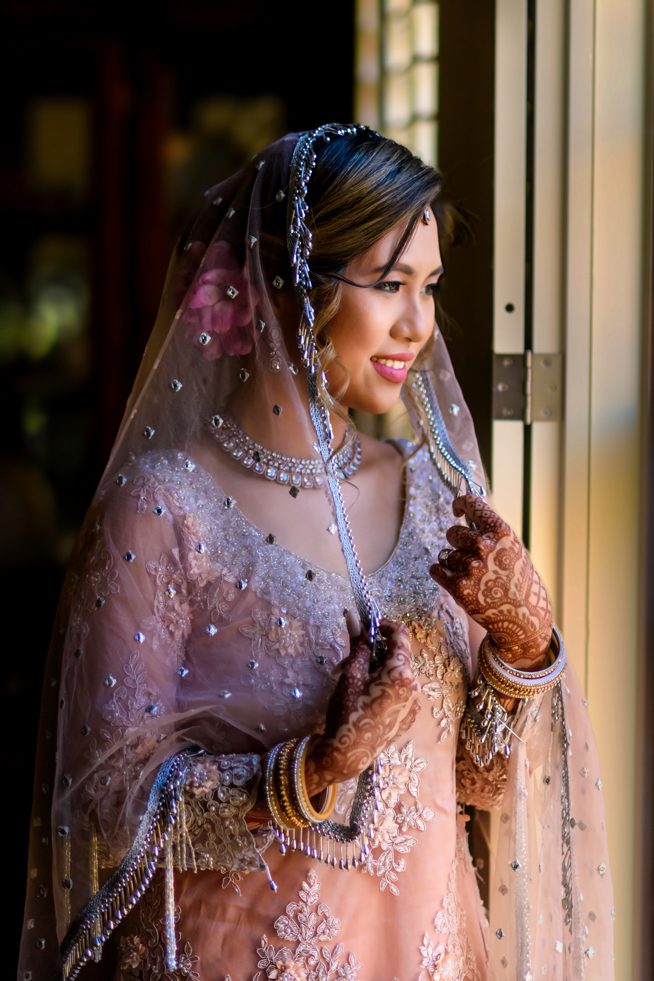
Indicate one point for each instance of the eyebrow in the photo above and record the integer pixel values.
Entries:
(407, 270)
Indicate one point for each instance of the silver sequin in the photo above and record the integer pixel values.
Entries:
(243, 374)
(149, 432)
(278, 282)
(231, 292)
(204, 338)
(211, 629)
(109, 681)
(176, 385)
(182, 671)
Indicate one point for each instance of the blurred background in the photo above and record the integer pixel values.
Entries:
(538, 112)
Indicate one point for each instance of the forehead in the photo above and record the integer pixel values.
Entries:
(422, 251)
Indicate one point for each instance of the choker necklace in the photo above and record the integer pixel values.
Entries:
(293, 471)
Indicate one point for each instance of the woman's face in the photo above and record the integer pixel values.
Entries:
(379, 332)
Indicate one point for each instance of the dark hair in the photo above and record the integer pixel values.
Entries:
(362, 186)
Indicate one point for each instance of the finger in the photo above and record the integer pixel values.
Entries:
(397, 637)
(353, 623)
(350, 686)
(444, 577)
(458, 562)
(480, 514)
(464, 538)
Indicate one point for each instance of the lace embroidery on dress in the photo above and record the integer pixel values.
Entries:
(448, 954)
(309, 926)
(87, 595)
(233, 545)
(142, 954)
(400, 812)
(220, 790)
(439, 661)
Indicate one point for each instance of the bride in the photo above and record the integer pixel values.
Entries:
(288, 653)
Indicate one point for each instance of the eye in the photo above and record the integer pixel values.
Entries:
(389, 286)
(434, 288)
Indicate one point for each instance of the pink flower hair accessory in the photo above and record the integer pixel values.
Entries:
(219, 306)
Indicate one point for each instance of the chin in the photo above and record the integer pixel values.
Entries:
(376, 405)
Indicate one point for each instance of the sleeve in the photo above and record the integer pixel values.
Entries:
(481, 787)
(135, 786)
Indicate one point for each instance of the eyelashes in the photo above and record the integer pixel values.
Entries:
(393, 286)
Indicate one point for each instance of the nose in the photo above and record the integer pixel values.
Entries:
(416, 319)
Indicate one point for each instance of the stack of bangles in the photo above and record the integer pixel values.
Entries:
(485, 726)
(285, 786)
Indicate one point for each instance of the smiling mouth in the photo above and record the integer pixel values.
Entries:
(391, 363)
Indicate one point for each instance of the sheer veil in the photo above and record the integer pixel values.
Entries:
(123, 700)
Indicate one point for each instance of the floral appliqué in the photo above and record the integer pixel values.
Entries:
(449, 954)
(273, 631)
(309, 926)
(400, 812)
(142, 955)
(439, 661)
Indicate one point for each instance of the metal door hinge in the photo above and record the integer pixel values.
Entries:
(528, 387)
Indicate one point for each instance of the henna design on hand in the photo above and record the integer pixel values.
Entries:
(366, 711)
(489, 573)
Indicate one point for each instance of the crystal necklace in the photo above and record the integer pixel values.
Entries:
(293, 471)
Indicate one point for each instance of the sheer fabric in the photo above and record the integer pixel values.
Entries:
(202, 622)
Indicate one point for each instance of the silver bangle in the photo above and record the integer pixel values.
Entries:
(532, 679)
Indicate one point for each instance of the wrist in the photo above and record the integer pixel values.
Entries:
(529, 656)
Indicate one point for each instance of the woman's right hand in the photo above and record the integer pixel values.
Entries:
(367, 711)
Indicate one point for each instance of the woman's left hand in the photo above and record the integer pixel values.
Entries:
(489, 573)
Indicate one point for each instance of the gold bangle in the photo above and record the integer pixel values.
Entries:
(302, 798)
(512, 688)
(271, 797)
(282, 774)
